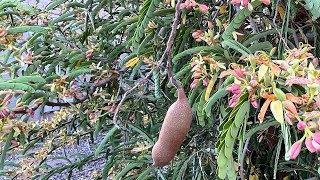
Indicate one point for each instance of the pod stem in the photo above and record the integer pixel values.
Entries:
(168, 50)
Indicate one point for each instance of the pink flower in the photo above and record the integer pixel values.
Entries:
(182, 6)
(205, 82)
(238, 72)
(197, 35)
(301, 125)
(316, 137)
(315, 61)
(245, 3)
(295, 150)
(194, 83)
(288, 119)
(235, 1)
(315, 145)
(309, 145)
(190, 4)
(234, 89)
(255, 104)
(266, 2)
(203, 8)
(210, 25)
(234, 100)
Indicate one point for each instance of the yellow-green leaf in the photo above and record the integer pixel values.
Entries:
(209, 88)
(262, 71)
(132, 62)
(16, 132)
(277, 110)
(279, 94)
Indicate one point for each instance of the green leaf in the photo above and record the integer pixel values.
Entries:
(238, 20)
(6, 148)
(75, 73)
(263, 46)
(30, 145)
(243, 111)
(23, 29)
(128, 168)
(16, 86)
(142, 133)
(314, 7)
(18, 5)
(287, 140)
(276, 159)
(260, 127)
(28, 79)
(54, 4)
(213, 99)
(236, 46)
(105, 140)
(145, 173)
(192, 51)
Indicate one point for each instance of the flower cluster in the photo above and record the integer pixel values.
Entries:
(199, 66)
(241, 78)
(235, 89)
(312, 143)
(193, 4)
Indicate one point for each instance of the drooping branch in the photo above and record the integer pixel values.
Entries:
(100, 83)
(159, 63)
(168, 50)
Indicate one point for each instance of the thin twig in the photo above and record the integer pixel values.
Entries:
(276, 13)
(245, 148)
(167, 50)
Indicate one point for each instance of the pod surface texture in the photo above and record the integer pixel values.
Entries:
(174, 129)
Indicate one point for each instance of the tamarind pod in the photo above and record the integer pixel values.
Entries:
(173, 131)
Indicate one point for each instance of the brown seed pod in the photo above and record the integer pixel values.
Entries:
(173, 131)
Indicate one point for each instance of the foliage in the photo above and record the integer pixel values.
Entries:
(99, 62)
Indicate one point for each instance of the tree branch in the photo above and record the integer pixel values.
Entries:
(167, 50)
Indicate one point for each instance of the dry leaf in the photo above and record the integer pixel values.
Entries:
(263, 110)
(132, 62)
(209, 88)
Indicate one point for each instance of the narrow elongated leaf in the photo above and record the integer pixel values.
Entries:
(5, 149)
(240, 117)
(27, 79)
(142, 132)
(16, 86)
(105, 140)
(127, 169)
(22, 29)
(260, 127)
(209, 89)
(213, 99)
